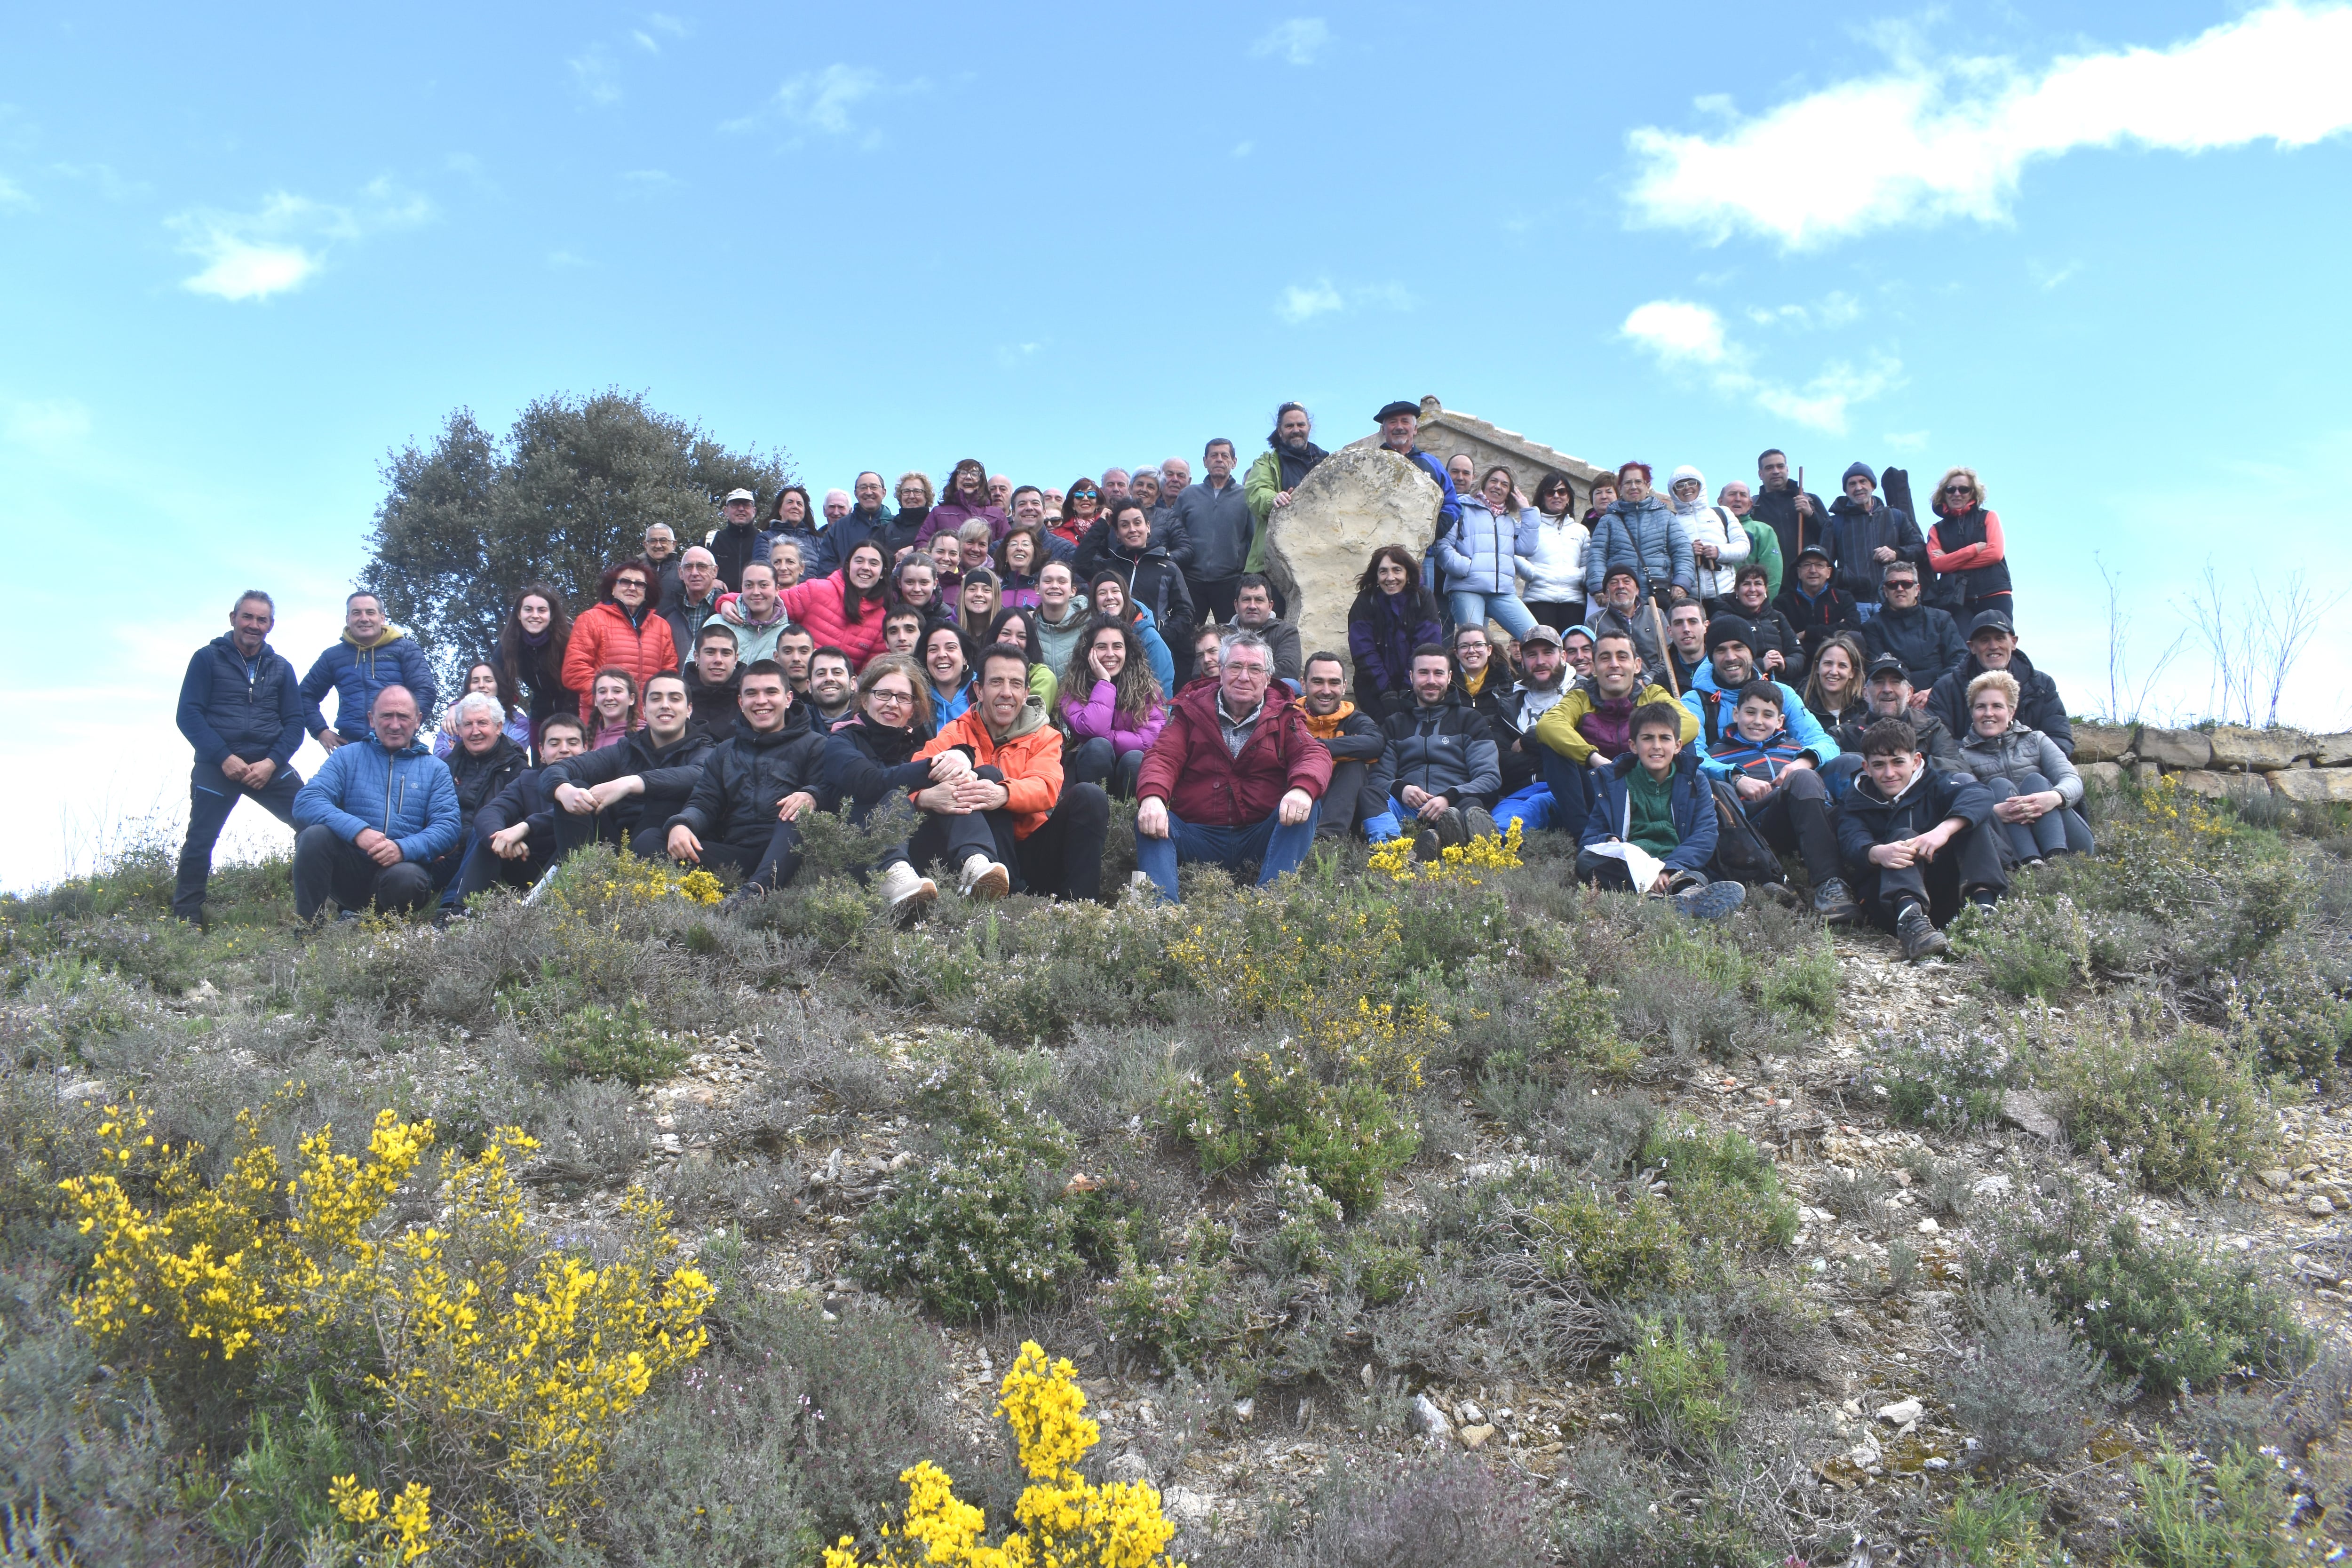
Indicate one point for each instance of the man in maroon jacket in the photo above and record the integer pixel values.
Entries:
(1235, 776)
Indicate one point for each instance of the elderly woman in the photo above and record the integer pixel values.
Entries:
(2035, 788)
(1720, 545)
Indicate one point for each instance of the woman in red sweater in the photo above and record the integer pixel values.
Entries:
(620, 631)
(843, 609)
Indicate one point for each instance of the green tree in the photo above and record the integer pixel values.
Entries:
(465, 522)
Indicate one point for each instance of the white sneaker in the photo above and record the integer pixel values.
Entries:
(1140, 882)
(906, 891)
(984, 878)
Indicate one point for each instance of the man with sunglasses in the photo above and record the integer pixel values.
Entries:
(1923, 636)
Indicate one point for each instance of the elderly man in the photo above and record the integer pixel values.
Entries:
(695, 600)
(1114, 488)
(836, 506)
(484, 762)
(1992, 645)
(1235, 775)
(869, 519)
(241, 710)
(660, 559)
(1921, 636)
(1399, 424)
(372, 655)
(736, 541)
(378, 811)
(514, 837)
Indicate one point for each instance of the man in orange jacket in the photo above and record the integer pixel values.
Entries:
(1006, 821)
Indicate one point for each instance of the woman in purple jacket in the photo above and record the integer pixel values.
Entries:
(1120, 713)
(1393, 615)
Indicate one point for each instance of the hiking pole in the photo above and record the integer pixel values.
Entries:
(545, 878)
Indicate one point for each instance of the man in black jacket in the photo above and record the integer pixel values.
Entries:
(740, 815)
(1814, 605)
(484, 762)
(1915, 842)
(738, 542)
(241, 708)
(1921, 636)
(1887, 689)
(1439, 767)
(628, 793)
(1992, 645)
(1797, 516)
(512, 838)
(1867, 536)
(1354, 738)
(710, 680)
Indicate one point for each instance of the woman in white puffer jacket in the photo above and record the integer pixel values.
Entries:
(1720, 545)
(1550, 555)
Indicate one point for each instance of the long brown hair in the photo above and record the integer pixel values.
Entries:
(1818, 699)
(1138, 688)
(519, 664)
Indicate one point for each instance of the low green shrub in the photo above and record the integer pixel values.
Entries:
(1349, 1137)
(2022, 1385)
(1677, 1386)
(2183, 1111)
(1996, 1528)
(596, 1041)
(1625, 1253)
(2295, 1002)
(1724, 1188)
(1950, 1083)
(2179, 1525)
(2031, 946)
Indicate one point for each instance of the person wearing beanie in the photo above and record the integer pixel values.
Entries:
(1866, 536)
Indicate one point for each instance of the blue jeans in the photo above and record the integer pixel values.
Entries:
(1530, 807)
(1274, 847)
(1471, 609)
(1572, 791)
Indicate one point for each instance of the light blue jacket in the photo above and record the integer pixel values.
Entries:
(1795, 716)
(1479, 553)
(408, 797)
(1647, 537)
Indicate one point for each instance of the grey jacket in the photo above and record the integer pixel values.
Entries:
(1219, 524)
(2018, 751)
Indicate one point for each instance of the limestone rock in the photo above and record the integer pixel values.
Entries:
(2175, 748)
(1427, 1418)
(1357, 500)
(2313, 783)
(2030, 1112)
(2100, 775)
(1901, 1412)
(1474, 1438)
(2335, 751)
(2317, 1206)
(2264, 751)
(1185, 1506)
(2103, 743)
(2276, 1180)
(2145, 772)
(2201, 782)
(1127, 1469)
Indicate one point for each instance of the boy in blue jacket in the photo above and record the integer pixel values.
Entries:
(1654, 800)
(1777, 780)
(1915, 841)
(378, 810)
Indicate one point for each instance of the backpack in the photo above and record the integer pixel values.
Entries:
(1741, 853)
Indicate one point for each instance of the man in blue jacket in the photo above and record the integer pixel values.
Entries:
(1399, 424)
(378, 810)
(241, 710)
(372, 655)
(1655, 799)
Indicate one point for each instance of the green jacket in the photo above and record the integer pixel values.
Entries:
(1259, 486)
(1764, 549)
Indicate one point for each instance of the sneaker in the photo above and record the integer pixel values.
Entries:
(984, 878)
(1834, 902)
(1918, 935)
(1477, 822)
(2037, 864)
(907, 889)
(1712, 901)
(1983, 898)
(1428, 846)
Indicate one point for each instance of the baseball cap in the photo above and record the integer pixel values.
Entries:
(739, 494)
(1539, 633)
(1886, 664)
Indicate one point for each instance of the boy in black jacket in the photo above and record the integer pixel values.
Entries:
(513, 838)
(741, 815)
(1914, 840)
(627, 792)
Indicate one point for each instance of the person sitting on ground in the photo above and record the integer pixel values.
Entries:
(1867, 536)
(869, 758)
(742, 814)
(627, 794)
(757, 614)
(947, 662)
(1653, 800)
(1921, 636)
(1018, 556)
(1009, 822)
(241, 708)
(1061, 613)
(1887, 694)
(711, 680)
(1992, 645)
(1731, 664)
(621, 631)
(1779, 654)
(1480, 677)
(484, 762)
(1439, 766)
(1914, 841)
(1590, 726)
(914, 586)
(1833, 693)
(1622, 608)
(1235, 776)
(1965, 541)
(372, 819)
(372, 655)
(1687, 641)
(612, 708)
(1542, 682)
(1815, 607)
(1550, 555)
(1576, 652)
(843, 608)
(2036, 792)
(531, 643)
(513, 838)
(1777, 781)
(1353, 737)
(902, 630)
(1393, 615)
(831, 688)
(1254, 612)
(696, 601)
(1110, 596)
(484, 679)
(1121, 713)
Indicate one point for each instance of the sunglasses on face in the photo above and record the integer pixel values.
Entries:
(1959, 491)
(636, 583)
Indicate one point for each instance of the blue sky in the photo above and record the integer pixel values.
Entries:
(2095, 251)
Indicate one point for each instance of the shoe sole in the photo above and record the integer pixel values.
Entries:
(1480, 823)
(992, 883)
(1713, 902)
(1427, 845)
(911, 903)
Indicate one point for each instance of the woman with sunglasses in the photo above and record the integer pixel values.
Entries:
(1552, 555)
(1966, 540)
(620, 631)
(1081, 509)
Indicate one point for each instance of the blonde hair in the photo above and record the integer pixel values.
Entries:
(1975, 484)
(1999, 681)
(930, 495)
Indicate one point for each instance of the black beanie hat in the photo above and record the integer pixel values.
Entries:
(1730, 628)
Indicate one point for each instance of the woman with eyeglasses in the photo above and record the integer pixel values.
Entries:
(1552, 556)
(967, 497)
(620, 631)
(870, 758)
(1966, 540)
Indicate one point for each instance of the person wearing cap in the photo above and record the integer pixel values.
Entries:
(1921, 636)
(1779, 654)
(1992, 645)
(1400, 427)
(736, 542)
(1887, 694)
(1576, 651)
(1289, 456)
(1641, 533)
(1814, 605)
(1866, 536)
(1619, 607)
(1543, 681)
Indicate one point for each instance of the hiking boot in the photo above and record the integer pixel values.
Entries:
(1780, 893)
(1836, 904)
(907, 889)
(1477, 822)
(1918, 935)
(1428, 846)
(984, 878)
(1711, 902)
(1452, 830)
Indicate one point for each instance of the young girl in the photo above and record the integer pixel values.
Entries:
(976, 605)
(1107, 596)
(1114, 708)
(612, 706)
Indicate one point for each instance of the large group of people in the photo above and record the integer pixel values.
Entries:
(1691, 688)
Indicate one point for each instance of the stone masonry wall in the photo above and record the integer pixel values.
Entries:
(2226, 762)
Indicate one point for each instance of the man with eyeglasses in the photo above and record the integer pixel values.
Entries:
(1923, 636)
(736, 542)
(660, 559)
(869, 519)
(694, 599)
(1235, 775)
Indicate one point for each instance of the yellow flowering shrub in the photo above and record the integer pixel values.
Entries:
(603, 887)
(1463, 863)
(400, 1534)
(1062, 1520)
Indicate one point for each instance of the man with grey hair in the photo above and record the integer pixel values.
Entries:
(695, 601)
(1235, 775)
(241, 708)
(378, 811)
(660, 559)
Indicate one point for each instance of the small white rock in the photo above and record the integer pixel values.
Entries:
(1929, 1227)
(1185, 1506)
(1427, 1418)
(1471, 1415)
(1901, 1411)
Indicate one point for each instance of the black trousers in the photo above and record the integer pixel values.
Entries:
(1970, 860)
(765, 865)
(481, 868)
(1797, 817)
(1100, 762)
(211, 798)
(328, 865)
(1063, 859)
(1348, 800)
(1212, 599)
(1557, 613)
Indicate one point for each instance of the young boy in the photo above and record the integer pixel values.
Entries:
(1654, 810)
(1914, 840)
(1778, 784)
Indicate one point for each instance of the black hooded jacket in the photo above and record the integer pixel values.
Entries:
(670, 771)
(714, 706)
(2038, 703)
(745, 777)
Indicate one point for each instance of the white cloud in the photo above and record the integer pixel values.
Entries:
(820, 102)
(1907, 441)
(1304, 302)
(1298, 40)
(1244, 149)
(563, 260)
(595, 78)
(661, 22)
(48, 425)
(280, 247)
(1690, 339)
(644, 40)
(1937, 138)
(12, 194)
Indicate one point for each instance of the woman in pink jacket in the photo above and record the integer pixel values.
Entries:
(843, 609)
(1121, 713)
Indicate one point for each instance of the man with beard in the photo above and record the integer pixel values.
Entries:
(710, 680)
(831, 688)
(1992, 645)
(1542, 683)
(1715, 693)
(241, 708)
(742, 812)
(1439, 768)
(1921, 636)
(1588, 726)
(628, 793)
(1290, 456)
(1355, 742)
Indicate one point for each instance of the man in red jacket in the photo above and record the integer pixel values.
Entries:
(1237, 776)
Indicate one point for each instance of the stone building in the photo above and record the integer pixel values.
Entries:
(1445, 431)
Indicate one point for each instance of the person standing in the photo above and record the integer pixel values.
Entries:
(1477, 558)
(241, 708)
(1966, 540)
(1552, 556)
(868, 518)
(660, 559)
(736, 541)
(372, 655)
(1866, 537)
(695, 601)
(1763, 544)
(1796, 517)
(1720, 545)
(1289, 456)
(1639, 533)
(1400, 427)
(967, 497)
(1215, 516)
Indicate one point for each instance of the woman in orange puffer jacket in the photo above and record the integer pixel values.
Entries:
(621, 630)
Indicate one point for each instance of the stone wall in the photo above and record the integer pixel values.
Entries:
(2226, 762)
